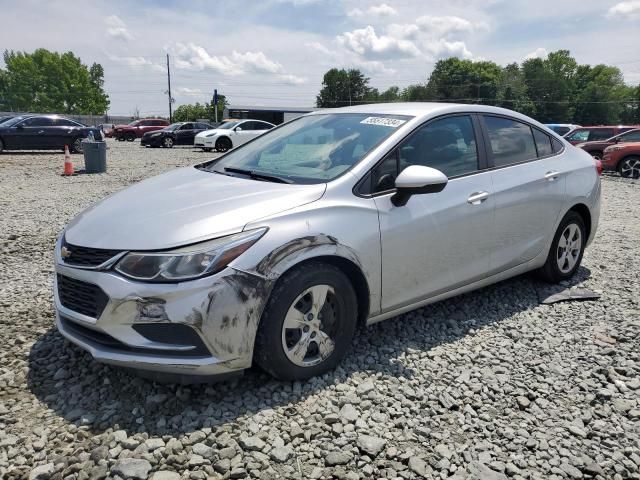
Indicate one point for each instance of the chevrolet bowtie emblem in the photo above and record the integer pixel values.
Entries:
(65, 252)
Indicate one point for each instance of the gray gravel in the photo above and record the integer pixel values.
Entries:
(490, 385)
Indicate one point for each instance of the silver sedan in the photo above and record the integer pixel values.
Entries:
(275, 252)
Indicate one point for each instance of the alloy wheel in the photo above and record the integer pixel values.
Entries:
(77, 145)
(569, 248)
(310, 326)
(630, 168)
(167, 142)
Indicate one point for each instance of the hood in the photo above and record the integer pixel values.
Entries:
(181, 207)
(217, 131)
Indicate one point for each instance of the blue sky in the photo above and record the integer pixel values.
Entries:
(274, 52)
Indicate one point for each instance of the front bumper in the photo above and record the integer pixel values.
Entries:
(210, 142)
(150, 141)
(609, 162)
(221, 311)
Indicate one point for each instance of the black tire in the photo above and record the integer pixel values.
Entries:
(76, 145)
(596, 155)
(223, 144)
(1, 146)
(269, 352)
(120, 139)
(167, 142)
(550, 271)
(629, 167)
(207, 149)
(130, 137)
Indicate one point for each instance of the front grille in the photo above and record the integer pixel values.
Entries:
(94, 337)
(82, 297)
(86, 256)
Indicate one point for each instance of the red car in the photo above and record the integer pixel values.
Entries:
(625, 158)
(138, 128)
(591, 134)
(596, 149)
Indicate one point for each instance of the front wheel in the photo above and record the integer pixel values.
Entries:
(566, 250)
(223, 144)
(308, 323)
(630, 167)
(167, 142)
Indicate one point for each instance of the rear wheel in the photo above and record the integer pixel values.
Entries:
(630, 167)
(130, 137)
(76, 145)
(167, 142)
(566, 250)
(308, 323)
(223, 144)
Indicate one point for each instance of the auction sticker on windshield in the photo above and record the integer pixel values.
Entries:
(383, 121)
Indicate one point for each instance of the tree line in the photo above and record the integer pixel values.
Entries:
(51, 82)
(555, 89)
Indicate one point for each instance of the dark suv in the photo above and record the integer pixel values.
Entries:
(592, 134)
(181, 133)
(44, 132)
(138, 128)
(596, 148)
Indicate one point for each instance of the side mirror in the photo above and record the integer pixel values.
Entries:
(238, 129)
(417, 180)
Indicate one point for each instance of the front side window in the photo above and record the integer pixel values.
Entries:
(579, 136)
(311, 149)
(630, 136)
(543, 143)
(38, 122)
(448, 145)
(510, 141)
(187, 126)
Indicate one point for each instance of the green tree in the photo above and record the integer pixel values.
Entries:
(50, 82)
(512, 91)
(463, 81)
(600, 95)
(342, 87)
(191, 112)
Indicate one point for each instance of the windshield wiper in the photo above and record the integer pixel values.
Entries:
(257, 175)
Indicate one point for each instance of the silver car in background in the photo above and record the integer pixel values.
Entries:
(278, 250)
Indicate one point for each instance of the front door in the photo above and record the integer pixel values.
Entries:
(529, 188)
(185, 134)
(440, 241)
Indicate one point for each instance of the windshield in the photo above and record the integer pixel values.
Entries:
(227, 125)
(173, 126)
(312, 149)
(13, 121)
(134, 123)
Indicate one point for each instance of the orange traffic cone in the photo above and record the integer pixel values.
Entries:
(68, 164)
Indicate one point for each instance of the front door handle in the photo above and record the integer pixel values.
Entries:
(476, 198)
(40, 132)
(552, 175)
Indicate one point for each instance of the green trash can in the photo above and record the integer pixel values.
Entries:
(95, 156)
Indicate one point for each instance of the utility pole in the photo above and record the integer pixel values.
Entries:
(169, 91)
(215, 105)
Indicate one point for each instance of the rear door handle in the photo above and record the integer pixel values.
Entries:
(552, 175)
(476, 198)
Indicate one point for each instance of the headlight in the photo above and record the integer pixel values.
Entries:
(190, 262)
(156, 134)
(211, 135)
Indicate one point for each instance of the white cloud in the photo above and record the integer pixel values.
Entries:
(366, 42)
(116, 28)
(444, 49)
(382, 10)
(629, 10)
(195, 92)
(447, 25)
(190, 56)
(319, 47)
(292, 79)
(136, 62)
(539, 52)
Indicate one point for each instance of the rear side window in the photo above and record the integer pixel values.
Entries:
(510, 141)
(543, 143)
(578, 136)
(601, 134)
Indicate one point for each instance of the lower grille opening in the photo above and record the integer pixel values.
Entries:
(82, 297)
(97, 338)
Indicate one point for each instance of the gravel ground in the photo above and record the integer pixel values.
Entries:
(490, 385)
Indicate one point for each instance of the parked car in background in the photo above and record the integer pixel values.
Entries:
(596, 148)
(562, 128)
(623, 158)
(181, 133)
(138, 128)
(275, 252)
(592, 134)
(231, 134)
(5, 118)
(44, 132)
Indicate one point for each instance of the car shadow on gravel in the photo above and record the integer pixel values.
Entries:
(69, 382)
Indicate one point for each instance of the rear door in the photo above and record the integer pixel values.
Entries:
(528, 181)
(440, 241)
(63, 132)
(185, 134)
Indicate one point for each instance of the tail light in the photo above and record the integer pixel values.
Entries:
(598, 167)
